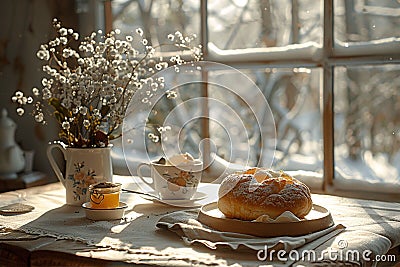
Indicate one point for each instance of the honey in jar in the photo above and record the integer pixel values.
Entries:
(104, 195)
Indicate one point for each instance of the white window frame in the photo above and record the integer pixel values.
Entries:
(326, 56)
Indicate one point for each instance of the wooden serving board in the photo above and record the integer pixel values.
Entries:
(318, 219)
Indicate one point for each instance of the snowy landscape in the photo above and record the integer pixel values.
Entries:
(366, 96)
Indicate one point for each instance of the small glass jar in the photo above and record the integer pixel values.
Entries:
(104, 195)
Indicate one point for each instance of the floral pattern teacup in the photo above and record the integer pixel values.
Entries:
(173, 182)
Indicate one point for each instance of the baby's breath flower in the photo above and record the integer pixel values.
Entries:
(154, 86)
(112, 101)
(39, 117)
(83, 110)
(139, 31)
(41, 54)
(63, 32)
(66, 53)
(178, 34)
(65, 125)
(86, 123)
(109, 41)
(171, 37)
(63, 79)
(20, 111)
(171, 94)
(162, 129)
(158, 66)
(91, 86)
(19, 94)
(63, 40)
(120, 90)
(154, 138)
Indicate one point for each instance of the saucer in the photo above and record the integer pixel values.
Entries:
(16, 208)
(178, 202)
(104, 214)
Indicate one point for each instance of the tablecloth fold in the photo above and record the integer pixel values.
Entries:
(186, 225)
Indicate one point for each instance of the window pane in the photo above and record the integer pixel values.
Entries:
(157, 18)
(293, 98)
(235, 24)
(179, 109)
(360, 21)
(367, 123)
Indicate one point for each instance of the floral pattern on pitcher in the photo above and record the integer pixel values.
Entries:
(183, 179)
(81, 180)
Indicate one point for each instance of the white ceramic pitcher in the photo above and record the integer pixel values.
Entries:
(83, 167)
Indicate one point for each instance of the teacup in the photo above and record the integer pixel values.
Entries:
(104, 195)
(171, 182)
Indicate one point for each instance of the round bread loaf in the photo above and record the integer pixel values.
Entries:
(256, 192)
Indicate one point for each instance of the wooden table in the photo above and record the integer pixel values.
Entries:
(24, 180)
(368, 223)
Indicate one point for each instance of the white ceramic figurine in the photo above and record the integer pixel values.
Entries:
(12, 158)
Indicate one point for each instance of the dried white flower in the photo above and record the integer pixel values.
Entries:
(65, 125)
(154, 138)
(20, 111)
(89, 88)
(139, 31)
(63, 32)
(171, 37)
(171, 94)
(39, 117)
(86, 123)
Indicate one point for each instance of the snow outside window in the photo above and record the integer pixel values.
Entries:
(313, 61)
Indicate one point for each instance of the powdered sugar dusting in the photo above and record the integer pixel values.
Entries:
(276, 190)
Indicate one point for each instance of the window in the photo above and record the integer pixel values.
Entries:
(328, 70)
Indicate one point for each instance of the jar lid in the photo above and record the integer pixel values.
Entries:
(105, 187)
